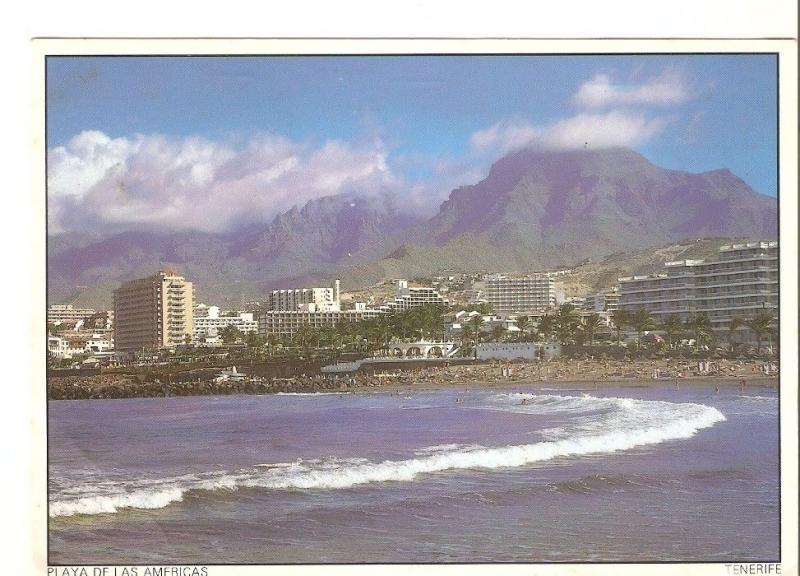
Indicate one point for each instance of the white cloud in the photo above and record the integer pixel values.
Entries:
(505, 136)
(182, 183)
(614, 128)
(667, 89)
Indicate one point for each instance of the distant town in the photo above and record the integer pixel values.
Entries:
(727, 303)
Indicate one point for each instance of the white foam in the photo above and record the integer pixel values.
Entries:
(346, 476)
(445, 448)
(100, 504)
(603, 425)
(310, 393)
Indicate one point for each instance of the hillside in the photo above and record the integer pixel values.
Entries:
(599, 275)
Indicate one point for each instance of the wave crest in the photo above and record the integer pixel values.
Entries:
(607, 425)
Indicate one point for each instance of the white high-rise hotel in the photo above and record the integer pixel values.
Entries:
(520, 294)
(739, 282)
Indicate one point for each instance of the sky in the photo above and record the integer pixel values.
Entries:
(213, 143)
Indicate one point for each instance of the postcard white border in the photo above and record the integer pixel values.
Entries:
(787, 51)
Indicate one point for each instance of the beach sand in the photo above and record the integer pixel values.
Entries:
(560, 373)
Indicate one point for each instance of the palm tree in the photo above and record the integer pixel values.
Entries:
(700, 327)
(672, 326)
(620, 318)
(498, 332)
(230, 334)
(760, 324)
(523, 323)
(590, 325)
(272, 341)
(546, 326)
(476, 323)
(641, 321)
(566, 322)
(735, 323)
(466, 336)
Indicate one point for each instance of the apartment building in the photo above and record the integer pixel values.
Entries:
(69, 344)
(407, 297)
(294, 299)
(67, 314)
(741, 280)
(208, 321)
(289, 322)
(604, 301)
(153, 312)
(519, 294)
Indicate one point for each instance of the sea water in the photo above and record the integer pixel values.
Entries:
(499, 475)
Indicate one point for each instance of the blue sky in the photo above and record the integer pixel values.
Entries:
(287, 129)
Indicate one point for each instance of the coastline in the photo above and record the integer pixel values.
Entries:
(583, 385)
(559, 374)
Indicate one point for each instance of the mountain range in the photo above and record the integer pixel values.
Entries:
(534, 210)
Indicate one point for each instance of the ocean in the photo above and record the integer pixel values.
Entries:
(645, 474)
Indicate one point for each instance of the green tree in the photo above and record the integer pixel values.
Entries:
(56, 328)
(498, 332)
(476, 324)
(546, 326)
(735, 323)
(620, 318)
(672, 327)
(482, 308)
(567, 321)
(253, 342)
(524, 324)
(761, 324)
(700, 327)
(642, 322)
(230, 334)
(590, 325)
(467, 333)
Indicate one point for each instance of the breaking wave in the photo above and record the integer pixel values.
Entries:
(602, 425)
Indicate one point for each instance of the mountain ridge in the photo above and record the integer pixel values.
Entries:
(534, 209)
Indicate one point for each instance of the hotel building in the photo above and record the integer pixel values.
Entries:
(288, 311)
(326, 299)
(519, 294)
(153, 312)
(208, 322)
(606, 301)
(740, 281)
(289, 322)
(67, 314)
(406, 297)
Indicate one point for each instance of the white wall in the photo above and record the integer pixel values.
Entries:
(507, 351)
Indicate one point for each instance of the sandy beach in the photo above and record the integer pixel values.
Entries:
(575, 373)
(561, 373)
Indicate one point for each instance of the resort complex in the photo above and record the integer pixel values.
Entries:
(739, 282)
(731, 297)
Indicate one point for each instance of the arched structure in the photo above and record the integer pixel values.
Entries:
(419, 349)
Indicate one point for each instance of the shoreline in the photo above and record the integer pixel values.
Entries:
(694, 382)
(561, 374)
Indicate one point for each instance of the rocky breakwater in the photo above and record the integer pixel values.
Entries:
(134, 386)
